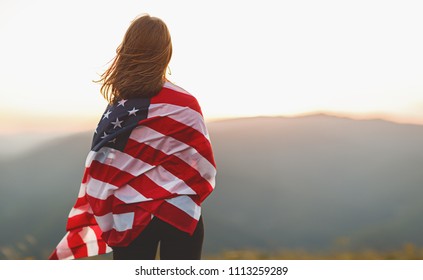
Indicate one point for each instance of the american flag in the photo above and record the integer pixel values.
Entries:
(149, 157)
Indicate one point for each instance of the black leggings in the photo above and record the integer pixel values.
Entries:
(174, 243)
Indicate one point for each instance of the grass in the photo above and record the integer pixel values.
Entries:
(408, 251)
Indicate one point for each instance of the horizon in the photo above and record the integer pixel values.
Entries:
(20, 142)
(71, 124)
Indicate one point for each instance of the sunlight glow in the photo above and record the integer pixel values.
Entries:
(358, 58)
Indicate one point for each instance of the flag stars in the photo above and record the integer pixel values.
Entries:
(106, 115)
(133, 111)
(122, 103)
(117, 123)
(104, 135)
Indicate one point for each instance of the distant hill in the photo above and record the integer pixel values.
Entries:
(312, 182)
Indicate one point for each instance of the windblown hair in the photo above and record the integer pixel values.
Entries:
(139, 68)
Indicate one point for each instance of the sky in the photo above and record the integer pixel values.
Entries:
(239, 58)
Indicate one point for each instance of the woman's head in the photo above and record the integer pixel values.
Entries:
(139, 68)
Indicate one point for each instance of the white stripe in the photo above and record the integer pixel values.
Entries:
(130, 164)
(63, 251)
(75, 212)
(186, 204)
(168, 181)
(104, 155)
(129, 195)
(105, 222)
(86, 208)
(90, 157)
(121, 161)
(158, 174)
(119, 222)
(81, 192)
(169, 145)
(99, 189)
(174, 87)
(124, 221)
(90, 239)
(185, 115)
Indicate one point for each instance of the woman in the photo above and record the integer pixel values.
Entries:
(151, 164)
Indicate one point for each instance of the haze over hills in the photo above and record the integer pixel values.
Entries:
(303, 182)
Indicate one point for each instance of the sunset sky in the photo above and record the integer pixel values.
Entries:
(239, 58)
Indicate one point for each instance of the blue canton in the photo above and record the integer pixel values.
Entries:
(117, 122)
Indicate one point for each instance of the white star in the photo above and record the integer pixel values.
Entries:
(122, 103)
(117, 123)
(106, 115)
(104, 135)
(113, 141)
(133, 111)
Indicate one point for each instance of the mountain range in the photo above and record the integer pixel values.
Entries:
(314, 183)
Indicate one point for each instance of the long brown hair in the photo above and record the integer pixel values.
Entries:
(139, 68)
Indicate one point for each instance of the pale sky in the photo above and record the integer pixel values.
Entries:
(239, 58)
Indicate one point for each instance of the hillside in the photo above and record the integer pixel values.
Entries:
(283, 183)
(309, 182)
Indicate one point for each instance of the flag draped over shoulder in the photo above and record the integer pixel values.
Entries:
(149, 157)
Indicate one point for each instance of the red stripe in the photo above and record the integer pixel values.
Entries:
(80, 202)
(182, 133)
(115, 206)
(173, 97)
(101, 207)
(85, 176)
(81, 220)
(54, 255)
(149, 189)
(77, 245)
(112, 204)
(142, 184)
(171, 163)
(176, 217)
(109, 174)
(102, 247)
